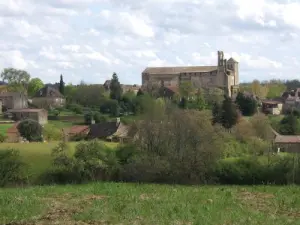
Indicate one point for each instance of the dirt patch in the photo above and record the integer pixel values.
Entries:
(265, 202)
(61, 210)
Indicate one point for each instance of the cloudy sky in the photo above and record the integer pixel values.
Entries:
(90, 39)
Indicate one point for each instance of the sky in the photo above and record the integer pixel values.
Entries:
(89, 40)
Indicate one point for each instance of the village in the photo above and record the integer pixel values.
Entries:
(149, 112)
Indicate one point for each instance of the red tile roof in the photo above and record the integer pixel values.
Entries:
(287, 139)
(78, 129)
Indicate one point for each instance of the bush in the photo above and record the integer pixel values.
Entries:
(88, 117)
(52, 133)
(249, 171)
(99, 118)
(166, 154)
(75, 108)
(31, 130)
(2, 138)
(78, 137)
(92, 161)
(11, 168)
(243, 171)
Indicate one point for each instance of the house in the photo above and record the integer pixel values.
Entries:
(40, 115)
(286, 143)
(111, 131)
(106, 85)
(271, 107)
(48, 97)
(224, 75)
(13, 100)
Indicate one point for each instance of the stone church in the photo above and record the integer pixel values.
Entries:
(224, 75)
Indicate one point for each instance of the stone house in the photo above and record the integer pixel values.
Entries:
(40, 115)
(110, 131)
(48, 97)
(224, 75)
(13, 100)
(286, 143)
(272, 107)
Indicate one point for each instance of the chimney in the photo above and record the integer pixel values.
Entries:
(118, 120)
(225, 63)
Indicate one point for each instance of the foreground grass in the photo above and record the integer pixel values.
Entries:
(38, 155)
(112, 203)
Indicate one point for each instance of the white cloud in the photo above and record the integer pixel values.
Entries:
(99, 37)
(72, 48)
(14, 59)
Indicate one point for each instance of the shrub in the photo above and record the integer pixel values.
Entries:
(2, 138)
(166, 154)
(52, 133)
(88, 117)
(75, 108)
(11, 167)
(30, 129)
(279, 170)
(92, 161)
(243, 171)
(99, 118)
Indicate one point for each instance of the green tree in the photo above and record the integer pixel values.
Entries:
(30, 129)
(247, 105)
(140, 92)
(62, 85)
(34, 85)
(276, 88)
(229, 113)
(186, 89)
(259, 89)
(17, 79)
(216, 113)
(289, 125)
(115, 88)
(183, 103)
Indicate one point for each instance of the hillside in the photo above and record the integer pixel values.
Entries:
(113, 203)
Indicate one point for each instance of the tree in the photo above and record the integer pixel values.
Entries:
(17, 79)
(289, 125)
(276, 88)
(115, 88)
(246, 104)
(216, 113)
(34, 85)
(229, 113)
(87, 95)
(62, 85)
(140, 92)
(259, 90)
(186, 89)
(183, 103)
(30, 129)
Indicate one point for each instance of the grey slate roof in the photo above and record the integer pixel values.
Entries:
(48, 91)
(179, 69)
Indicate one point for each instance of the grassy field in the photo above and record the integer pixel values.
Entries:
(112, 203)
(38, 155)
